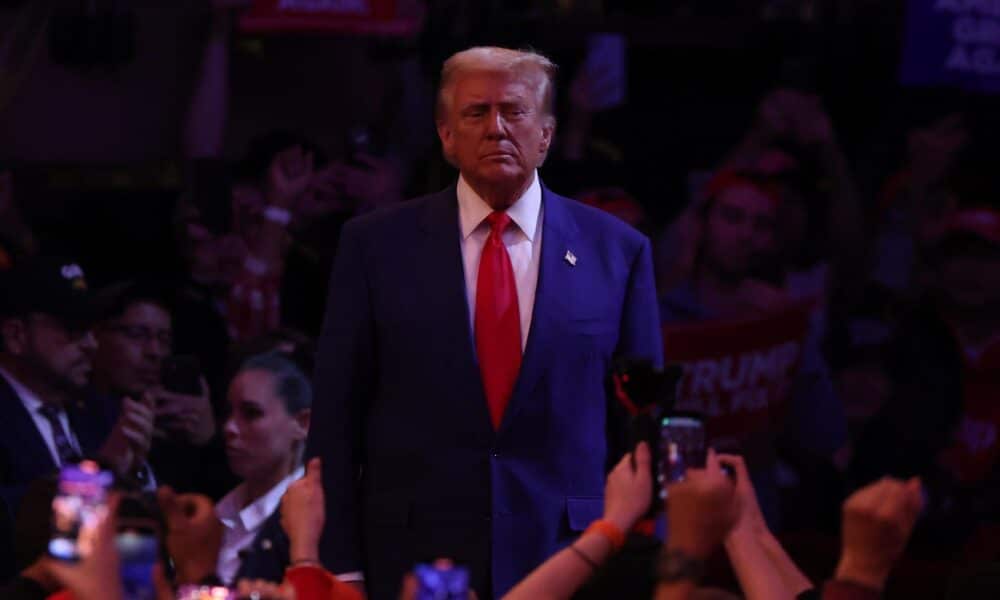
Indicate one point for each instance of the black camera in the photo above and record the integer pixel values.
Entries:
(676, 439)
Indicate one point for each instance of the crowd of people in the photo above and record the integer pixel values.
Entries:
(840, 343)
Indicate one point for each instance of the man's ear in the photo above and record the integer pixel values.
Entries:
(302, 420)
(14, 335)
(548, 131)
(447, 138)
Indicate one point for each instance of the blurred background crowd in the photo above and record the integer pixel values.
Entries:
(197, 158)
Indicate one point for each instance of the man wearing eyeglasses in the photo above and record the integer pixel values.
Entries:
(134, 334)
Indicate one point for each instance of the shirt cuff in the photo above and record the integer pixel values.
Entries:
(350, 576)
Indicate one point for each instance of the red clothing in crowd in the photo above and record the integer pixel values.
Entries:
(311, 582)
(976, 447)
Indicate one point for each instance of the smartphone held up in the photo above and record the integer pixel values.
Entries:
(79, 506)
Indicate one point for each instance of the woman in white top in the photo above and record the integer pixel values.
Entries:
(265, 433)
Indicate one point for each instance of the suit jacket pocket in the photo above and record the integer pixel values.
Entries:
(581, 511)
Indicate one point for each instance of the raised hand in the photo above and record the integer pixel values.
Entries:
(303, 513)
(289, 176)
(194, 534)
(877, 522)
(701, 509)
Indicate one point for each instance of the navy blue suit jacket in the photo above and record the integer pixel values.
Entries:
(24, 456)
(267, 557)
(412, 466)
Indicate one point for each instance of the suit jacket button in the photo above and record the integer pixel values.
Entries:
(265, 544)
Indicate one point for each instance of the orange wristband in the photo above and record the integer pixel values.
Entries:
(608, 530)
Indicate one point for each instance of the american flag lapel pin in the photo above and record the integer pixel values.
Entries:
(570, 258)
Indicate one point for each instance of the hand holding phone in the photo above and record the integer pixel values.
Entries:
(126, 447)
(702, 509)
(627, 491)
(183, 405)
(78, 508)
(83, 533)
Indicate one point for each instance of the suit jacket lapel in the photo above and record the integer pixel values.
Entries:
(559, 230)
(33, 453)
(267, 556)
(445, 271)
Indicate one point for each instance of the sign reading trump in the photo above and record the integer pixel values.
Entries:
(737, 374)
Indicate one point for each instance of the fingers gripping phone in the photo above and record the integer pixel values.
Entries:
(81, 501)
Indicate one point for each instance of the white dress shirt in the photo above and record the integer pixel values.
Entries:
(34, 405)
(241, 524)
(523, 243)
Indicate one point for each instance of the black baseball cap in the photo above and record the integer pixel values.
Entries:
(48, 285)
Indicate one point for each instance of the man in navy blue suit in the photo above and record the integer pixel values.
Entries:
(45, 361)
(460, 407)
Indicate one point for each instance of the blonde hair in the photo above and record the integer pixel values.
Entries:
(526, 63)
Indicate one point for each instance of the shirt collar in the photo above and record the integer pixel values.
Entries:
(473, 210)
(28, 398)
(254, 514)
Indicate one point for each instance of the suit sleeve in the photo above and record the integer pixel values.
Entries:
(343, 383)
(639, 335)
(639, 338)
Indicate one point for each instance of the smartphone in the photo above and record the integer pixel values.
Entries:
(81, 501)
(205, 592)
(138, 554)
(442, 582)
(181, 375)
(139, 542)
(682, 446)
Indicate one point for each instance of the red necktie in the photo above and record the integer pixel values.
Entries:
(498, 320)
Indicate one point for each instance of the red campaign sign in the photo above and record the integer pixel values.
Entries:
(975, 448)
(368, 17)
(738, 373)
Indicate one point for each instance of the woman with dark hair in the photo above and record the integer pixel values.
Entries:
(269, 403)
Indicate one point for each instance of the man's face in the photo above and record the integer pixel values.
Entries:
(495, 129)
(739, 229)
(58, 354)
(131, 348)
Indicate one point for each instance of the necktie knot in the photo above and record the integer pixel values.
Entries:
(499, 221)
(50, 412)
(64, 448)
